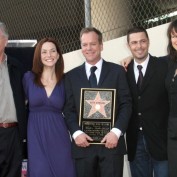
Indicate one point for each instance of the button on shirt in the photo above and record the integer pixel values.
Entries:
(7, 108)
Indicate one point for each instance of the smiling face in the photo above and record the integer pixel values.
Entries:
(49, 54)
(91, 47)
(139, 45)
(174, 39)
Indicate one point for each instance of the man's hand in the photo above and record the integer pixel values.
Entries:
(82, 140)
(110, 140)
(126, 61)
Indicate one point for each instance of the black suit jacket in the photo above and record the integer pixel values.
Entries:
(112, 76)
(15, 74)
(151, 106)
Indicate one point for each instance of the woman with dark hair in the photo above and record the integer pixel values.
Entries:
(49, 146)
(171, 84)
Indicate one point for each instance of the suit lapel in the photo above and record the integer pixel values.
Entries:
(104, 72)
(151, 68)
(83, 77)
(131, 77)
(11, 74)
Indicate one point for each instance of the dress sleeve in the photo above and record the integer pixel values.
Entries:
(26, 80)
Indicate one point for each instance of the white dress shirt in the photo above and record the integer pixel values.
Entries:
(7, 108)
(97, 71)
(143, 64)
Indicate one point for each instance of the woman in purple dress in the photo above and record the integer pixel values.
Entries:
(49, 146)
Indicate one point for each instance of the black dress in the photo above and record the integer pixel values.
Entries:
(171, 84)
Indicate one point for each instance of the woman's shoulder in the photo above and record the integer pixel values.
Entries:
(166, 57)
(171, 63)
(28, 75)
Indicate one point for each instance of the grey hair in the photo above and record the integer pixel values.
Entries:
(4, 30)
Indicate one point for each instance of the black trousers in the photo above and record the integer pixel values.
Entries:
(100, 165)
(172, 156)
(10, 152)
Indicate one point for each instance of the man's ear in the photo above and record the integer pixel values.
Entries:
(102, 46)
(6, 42)
(128, 46)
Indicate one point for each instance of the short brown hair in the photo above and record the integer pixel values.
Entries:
(92, 29)
(137, 29)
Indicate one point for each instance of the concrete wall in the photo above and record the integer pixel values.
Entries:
(116, 49)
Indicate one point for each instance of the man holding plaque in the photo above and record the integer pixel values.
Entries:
(97, 102)
(13, 122)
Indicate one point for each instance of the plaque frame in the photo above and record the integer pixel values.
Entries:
(97, 112)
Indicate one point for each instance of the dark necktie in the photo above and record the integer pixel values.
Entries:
(92, 78)
(140, 78)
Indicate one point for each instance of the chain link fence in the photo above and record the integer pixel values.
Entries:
(115, 17)
(63, 19)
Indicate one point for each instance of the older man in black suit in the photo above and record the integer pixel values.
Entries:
(91, 159)
(12, 112)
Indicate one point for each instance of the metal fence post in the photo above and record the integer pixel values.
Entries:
(87, 13)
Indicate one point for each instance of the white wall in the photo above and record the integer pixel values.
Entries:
(116, 49)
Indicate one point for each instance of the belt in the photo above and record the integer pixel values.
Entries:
(8, 125)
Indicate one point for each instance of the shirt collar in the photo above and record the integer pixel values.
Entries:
(143, 64)
(98, 65)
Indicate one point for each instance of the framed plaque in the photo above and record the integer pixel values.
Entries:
(97, 111)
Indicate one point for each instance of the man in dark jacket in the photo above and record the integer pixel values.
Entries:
(106, 158)
(12, 112)
(147, 131)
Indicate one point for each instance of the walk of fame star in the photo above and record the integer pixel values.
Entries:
(97, 105)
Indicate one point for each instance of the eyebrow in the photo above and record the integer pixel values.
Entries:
(50, 49)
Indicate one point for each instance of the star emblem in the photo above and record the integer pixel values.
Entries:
(97, 105)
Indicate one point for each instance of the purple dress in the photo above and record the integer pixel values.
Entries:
(49, 145)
